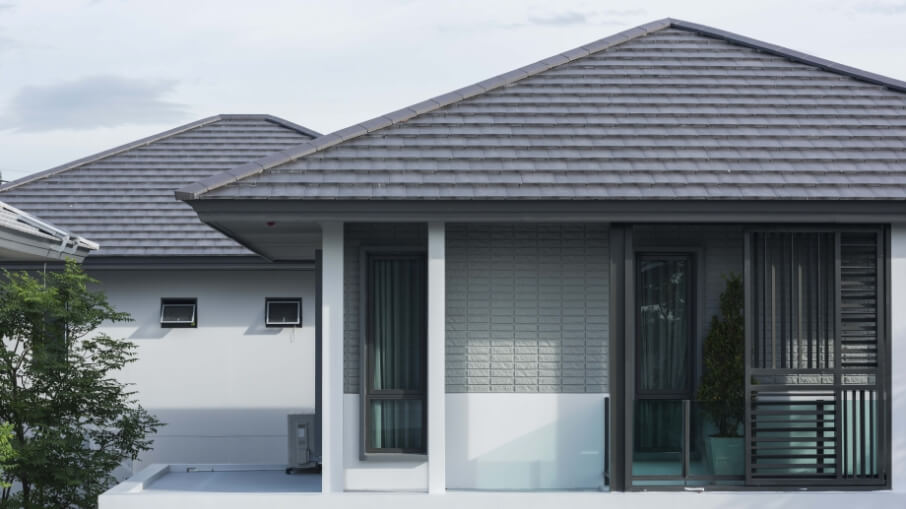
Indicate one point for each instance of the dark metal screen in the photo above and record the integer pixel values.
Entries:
(816, 405)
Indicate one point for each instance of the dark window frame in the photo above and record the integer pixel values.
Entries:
(269, 300)
(179, 301)
(883, 383)
(692, 304)
(622, 363)
(367, 393)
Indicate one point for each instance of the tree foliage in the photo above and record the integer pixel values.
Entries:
(6, 449)
(723, 381)
(72, 422)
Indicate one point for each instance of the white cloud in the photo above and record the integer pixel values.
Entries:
(881, 7)
(559, 19)
(87, 103)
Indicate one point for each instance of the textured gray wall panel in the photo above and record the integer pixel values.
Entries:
(527, 308)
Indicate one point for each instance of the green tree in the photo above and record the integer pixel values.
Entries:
(72, 422)
(6, 450)
(723, 380)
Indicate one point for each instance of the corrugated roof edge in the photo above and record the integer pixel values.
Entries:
(154, 138)
(198, 189)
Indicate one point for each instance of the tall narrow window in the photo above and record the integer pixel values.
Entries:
(395, 354)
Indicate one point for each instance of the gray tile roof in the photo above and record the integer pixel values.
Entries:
(668, 110)
(123, 198)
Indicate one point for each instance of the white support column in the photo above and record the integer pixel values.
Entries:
(437, 301)
(332, 357)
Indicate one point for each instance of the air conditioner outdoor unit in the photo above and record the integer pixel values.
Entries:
(304, 445)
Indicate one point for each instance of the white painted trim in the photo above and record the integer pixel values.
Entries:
(332, 361)
(437, 275)
(138, 482)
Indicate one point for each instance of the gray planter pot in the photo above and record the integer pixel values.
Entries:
(727, 455)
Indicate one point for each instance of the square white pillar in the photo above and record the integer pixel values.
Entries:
(332, 255)
(437, 275)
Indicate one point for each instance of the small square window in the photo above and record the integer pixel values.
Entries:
(283, 312)
(178, 313)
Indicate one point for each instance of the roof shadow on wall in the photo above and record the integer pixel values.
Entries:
(150, 330)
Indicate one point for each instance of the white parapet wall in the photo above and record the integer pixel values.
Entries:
(525, 441)
(224, 389)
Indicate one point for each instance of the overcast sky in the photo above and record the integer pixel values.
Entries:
(81, 76)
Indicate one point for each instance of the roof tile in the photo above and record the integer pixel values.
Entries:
(669, 110)
(123, 198)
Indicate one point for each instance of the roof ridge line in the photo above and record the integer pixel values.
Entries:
(797, 56)
(272, 118)
(152, 139)
(193, 191)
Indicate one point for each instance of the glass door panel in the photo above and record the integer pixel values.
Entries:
(664, 326)
(664, 319)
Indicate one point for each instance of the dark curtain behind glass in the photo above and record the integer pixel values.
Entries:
(663, 350)
(397, 313)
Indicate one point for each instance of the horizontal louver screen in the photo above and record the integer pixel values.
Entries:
(859, 300)
(795, 435)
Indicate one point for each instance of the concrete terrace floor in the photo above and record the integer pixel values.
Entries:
(257, 481)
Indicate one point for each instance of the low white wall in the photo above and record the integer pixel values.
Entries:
(898, 360)
(375, 475)
(224, 389)
(525, 441)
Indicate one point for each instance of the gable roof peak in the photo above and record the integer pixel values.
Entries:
(198, 189)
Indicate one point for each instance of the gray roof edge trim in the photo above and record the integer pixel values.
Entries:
(155, 138)
(195, 191)
(169, 262)
(284, 123)
(201, 186)
(797, 56)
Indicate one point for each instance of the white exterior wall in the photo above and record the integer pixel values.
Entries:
(898, 360)
(224, 388)
(525, 441)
